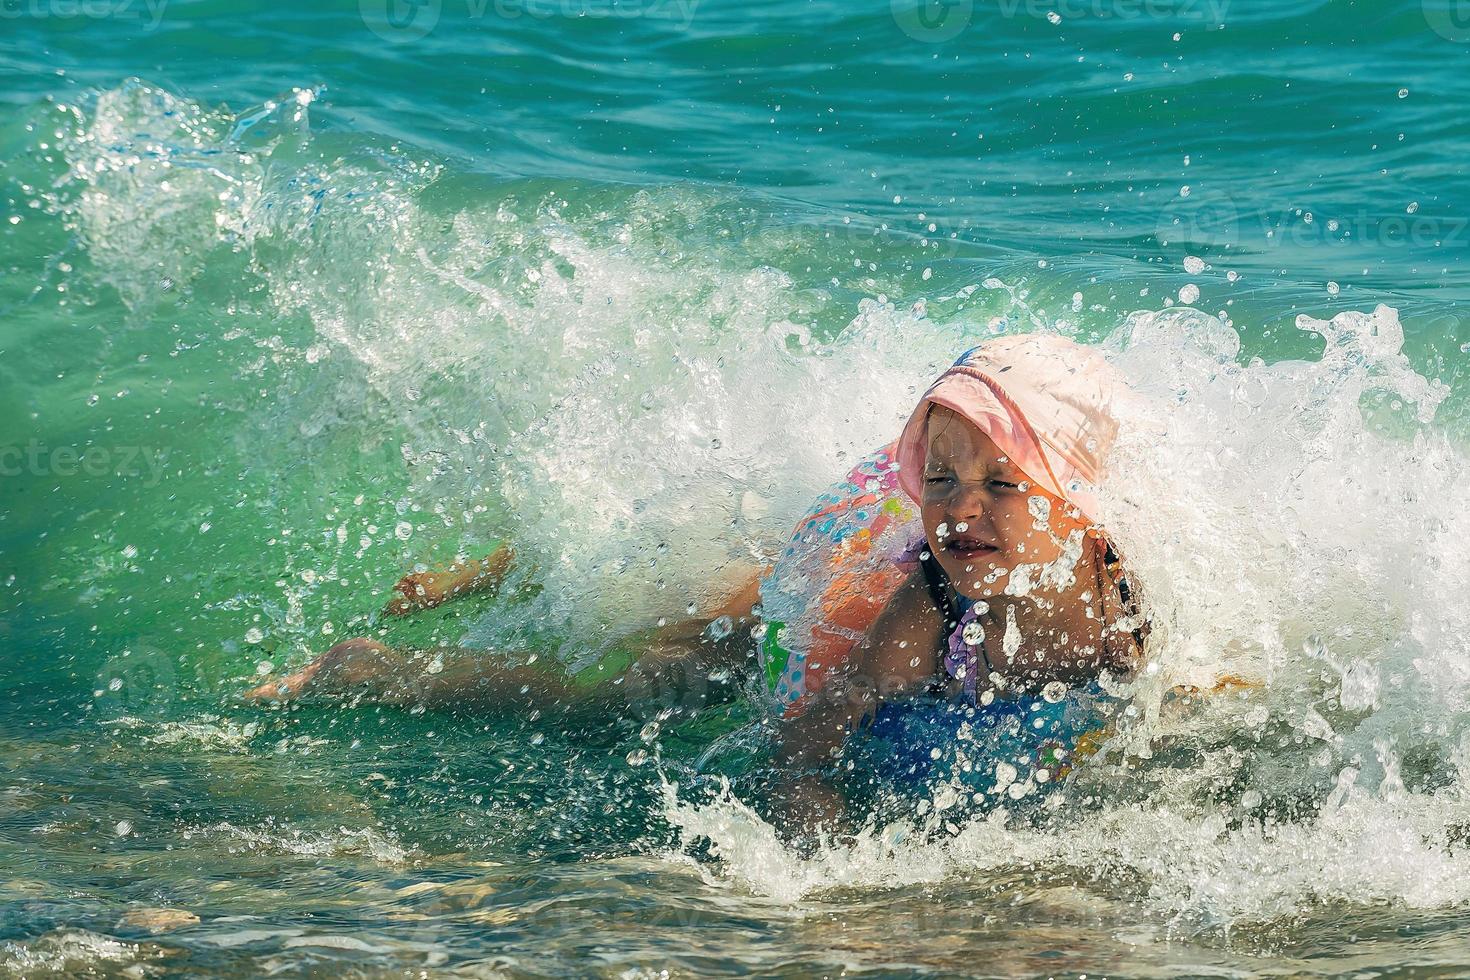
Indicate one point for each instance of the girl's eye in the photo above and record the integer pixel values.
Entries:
(1003, 483)
(936, 479)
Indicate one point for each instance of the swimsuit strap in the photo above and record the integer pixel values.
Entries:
(1125, 592)
(936, 581)
(955, 609)
(938, 584)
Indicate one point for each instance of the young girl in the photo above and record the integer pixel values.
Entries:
(1016, 595)
(1013, 589)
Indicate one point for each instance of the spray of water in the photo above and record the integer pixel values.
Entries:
(1295, 526)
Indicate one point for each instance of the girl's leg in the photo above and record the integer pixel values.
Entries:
(425, 590)
(670, 667)
(436, 678)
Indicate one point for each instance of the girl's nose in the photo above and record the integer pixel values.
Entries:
(970, 502)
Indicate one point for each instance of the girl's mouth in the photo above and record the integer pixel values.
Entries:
(969, 549)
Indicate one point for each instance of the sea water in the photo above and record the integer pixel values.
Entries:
(295, 299)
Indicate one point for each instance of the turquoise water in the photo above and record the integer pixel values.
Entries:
(294, 298)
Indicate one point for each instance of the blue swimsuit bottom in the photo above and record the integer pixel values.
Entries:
(1009, 749)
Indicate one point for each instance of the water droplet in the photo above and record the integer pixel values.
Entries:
(1403, 93)
(264, 667)
(1189, 295)
(403, 531)
(1413, 207)
(254, 635)
(1194, 265)
(1333, 289)
(1054, 692)
(1010, 644)
(720, 628)
(637, 757)
(1054, 17)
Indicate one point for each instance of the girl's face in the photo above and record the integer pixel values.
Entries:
(982, 516)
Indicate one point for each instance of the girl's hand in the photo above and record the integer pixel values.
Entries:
(350, 664)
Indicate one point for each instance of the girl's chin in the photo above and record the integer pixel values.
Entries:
(984, 593)
(968, 578)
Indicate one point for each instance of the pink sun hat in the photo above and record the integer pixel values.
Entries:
(1045, 401)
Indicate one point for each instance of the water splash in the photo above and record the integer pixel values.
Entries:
(1294, 527)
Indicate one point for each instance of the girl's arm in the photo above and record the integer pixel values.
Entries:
(898, 657)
